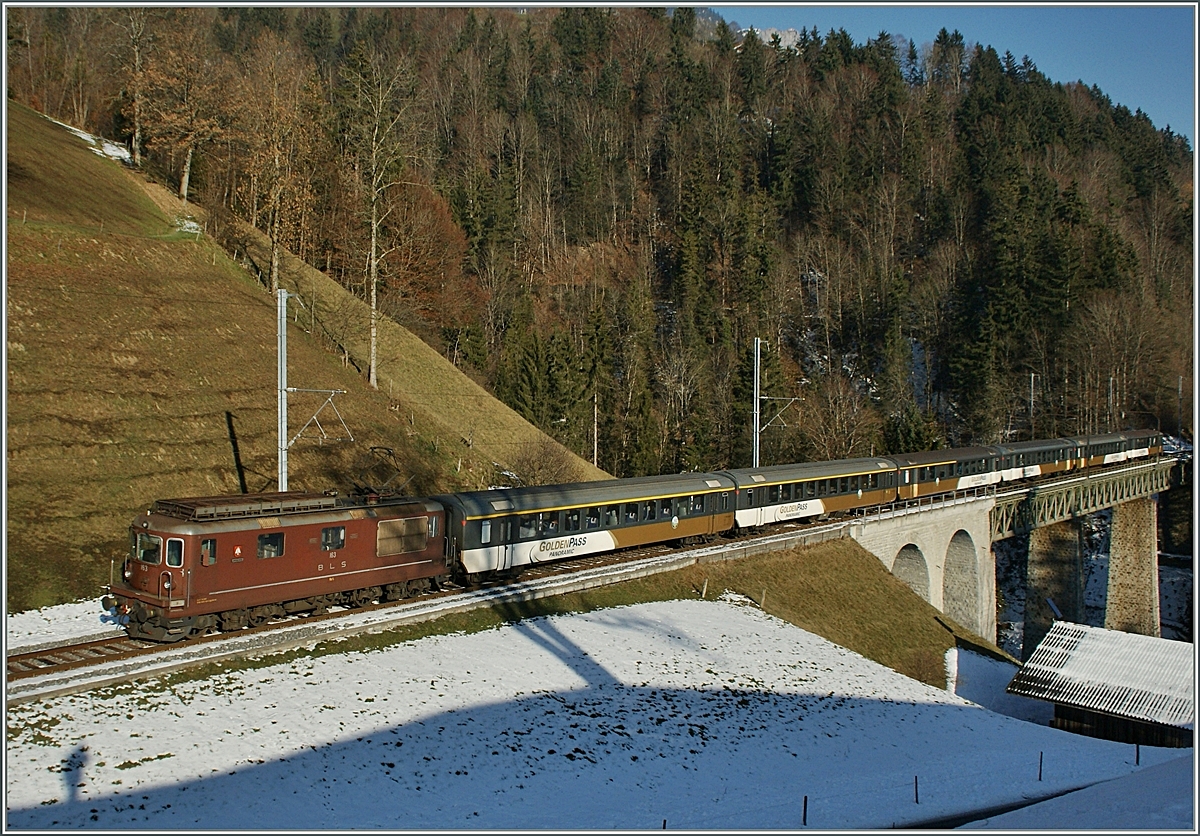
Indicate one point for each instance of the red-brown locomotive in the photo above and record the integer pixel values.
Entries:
(223, 563)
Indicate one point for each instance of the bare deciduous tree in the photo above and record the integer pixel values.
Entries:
(840, 423)
(381, 126)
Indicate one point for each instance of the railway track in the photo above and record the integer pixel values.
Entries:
(75, 667)
(68, 657)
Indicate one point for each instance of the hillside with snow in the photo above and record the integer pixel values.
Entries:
(688, 714)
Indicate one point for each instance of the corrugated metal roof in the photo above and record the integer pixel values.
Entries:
(1123, 674)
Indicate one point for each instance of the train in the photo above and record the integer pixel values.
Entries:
(207, 564)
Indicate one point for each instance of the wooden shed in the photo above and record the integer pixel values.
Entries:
(1117, 686)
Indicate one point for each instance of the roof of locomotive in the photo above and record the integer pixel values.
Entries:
(273, 504)
(504, 501)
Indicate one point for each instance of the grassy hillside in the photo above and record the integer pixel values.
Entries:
(142, 364)
(837, 590)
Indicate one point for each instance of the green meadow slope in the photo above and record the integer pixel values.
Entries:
(141, 364)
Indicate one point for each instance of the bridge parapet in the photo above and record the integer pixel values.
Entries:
(1021, 511)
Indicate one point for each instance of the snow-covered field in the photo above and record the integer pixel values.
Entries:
(702, 714)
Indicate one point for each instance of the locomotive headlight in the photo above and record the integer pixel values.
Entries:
(167, 585)
(128, 571)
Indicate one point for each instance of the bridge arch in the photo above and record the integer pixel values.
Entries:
(960, 580)
(910, 567)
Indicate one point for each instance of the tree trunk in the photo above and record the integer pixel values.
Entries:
(187, 173)
(372, 376)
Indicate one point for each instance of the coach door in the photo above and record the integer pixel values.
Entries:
(494, 537)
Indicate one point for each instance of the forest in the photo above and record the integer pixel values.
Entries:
(596, 212)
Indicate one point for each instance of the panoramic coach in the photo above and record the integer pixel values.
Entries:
(793, 491)
(499, 530)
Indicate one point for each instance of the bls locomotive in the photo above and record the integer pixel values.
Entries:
(204, 564)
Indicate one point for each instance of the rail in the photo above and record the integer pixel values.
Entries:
(159, 660)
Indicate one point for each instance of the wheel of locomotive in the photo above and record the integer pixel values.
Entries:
(322, 603)
(395, 591)
(202, 626)
(233, 620)
(361, 597)
(261, 615)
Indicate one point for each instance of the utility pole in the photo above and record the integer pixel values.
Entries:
(757, 367)
(281, 297)
(595, 428)
(1032, 433)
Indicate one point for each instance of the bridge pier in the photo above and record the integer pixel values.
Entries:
(1133, 569)
(943, 554)
(1054, 571)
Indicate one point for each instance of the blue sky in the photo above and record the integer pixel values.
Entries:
(1141, 56)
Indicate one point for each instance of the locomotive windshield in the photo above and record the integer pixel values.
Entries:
(147, 548)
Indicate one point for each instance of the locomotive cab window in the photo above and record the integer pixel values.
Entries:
(208, 552)
(174, 552)
(333, 538)
(149, 548)
(270, 545)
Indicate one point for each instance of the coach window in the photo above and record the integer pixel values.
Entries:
(571, 520)
(593, 518)
(664, 509)
(612, 515)
(548, 523)
(485, 532)
(697, 503)
(631, 512)
(649, 509)
(149, 548)
(724, 501)
(527, 527)
(772, 494)
(333, 538)
(270, 545)
(174, 552)
(749, 497)
(208, 552)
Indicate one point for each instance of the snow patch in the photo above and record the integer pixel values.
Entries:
(100, 145)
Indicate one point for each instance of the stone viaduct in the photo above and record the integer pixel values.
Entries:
(942, 549)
